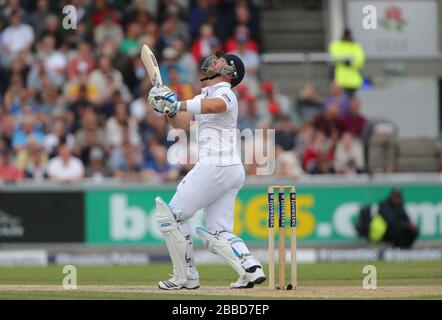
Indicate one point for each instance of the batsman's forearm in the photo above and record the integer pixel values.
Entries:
(181, 121)
(215, 105)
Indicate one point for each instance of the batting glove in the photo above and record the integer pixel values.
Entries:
(172, 104)
(155, 98)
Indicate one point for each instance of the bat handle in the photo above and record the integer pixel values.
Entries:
(166, 110)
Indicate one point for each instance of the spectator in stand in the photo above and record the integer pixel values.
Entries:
(287, 163)
(349, 155)
(9, 9)
(7, 131)
(52, 28)
(169, 61)
(202, 46)
(81, 62)
(354, 122)
(157, 167)
(131, 167)
(109, 29)
(131, 43)
(8, 171)
(108, 80)
(185, 61)
(248, 116)
(36, 164)
(337, 97)
(97, 169)
(55, 62)
(318, 156)
(307, 105)
(101, 12)
(241, 32)
(120, 123)
(184, 91)
(177, 29)
(57, 134)
(273, 104)
(349, 58)
(245, 14)
(198, 15)
(329, 122)
(17, 37)
(250, 59)
(41, 14)
(91, 143)
(65, 167)
(27, 131)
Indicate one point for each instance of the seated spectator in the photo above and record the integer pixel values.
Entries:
(89, 125)
(273, 104)
(118, 125)
(318, 156)
(97, 170)
(250, 59)
(337, 97)
(288, 165)
(241, 32)
(27, 131)
(307, 105)
(157, 167)
(36, 164)
(7, 131)
(17, 37)
(102, 11)
(41, 14)
(173, 27)
(131, 43)
(8, 171)
(285, 135)
(202, 46)
(81, 62)
(248, 117)
(55, 61)
(185, 61)
(246, 14)
(58, 133)
(198, 15)
(107, 30)
(91, 143)
(329, 122)
(108, 80)
(184, 91)
(65, 167)
(131, 166)
(169, 55)
(52, 28)
(349, 155)
(354, 121)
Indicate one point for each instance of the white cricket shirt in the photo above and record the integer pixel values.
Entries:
(217, 131)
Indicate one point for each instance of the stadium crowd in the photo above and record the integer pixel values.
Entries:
(73, 101)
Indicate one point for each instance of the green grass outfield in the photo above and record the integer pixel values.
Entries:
(403, 280)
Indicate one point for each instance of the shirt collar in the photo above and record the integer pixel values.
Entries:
(209, 89)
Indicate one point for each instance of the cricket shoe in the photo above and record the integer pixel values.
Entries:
(175, 284)
(254, 275)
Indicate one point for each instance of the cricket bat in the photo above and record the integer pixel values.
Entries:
(153, 70)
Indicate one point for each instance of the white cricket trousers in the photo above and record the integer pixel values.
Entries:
(212, 188)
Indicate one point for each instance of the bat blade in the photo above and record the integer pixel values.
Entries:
(151, 65)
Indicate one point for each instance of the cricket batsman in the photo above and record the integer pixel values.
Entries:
(213, 183)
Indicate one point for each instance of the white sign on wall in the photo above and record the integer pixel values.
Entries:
(403, 28)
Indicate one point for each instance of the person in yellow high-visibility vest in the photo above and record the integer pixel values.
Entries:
(348, 59)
